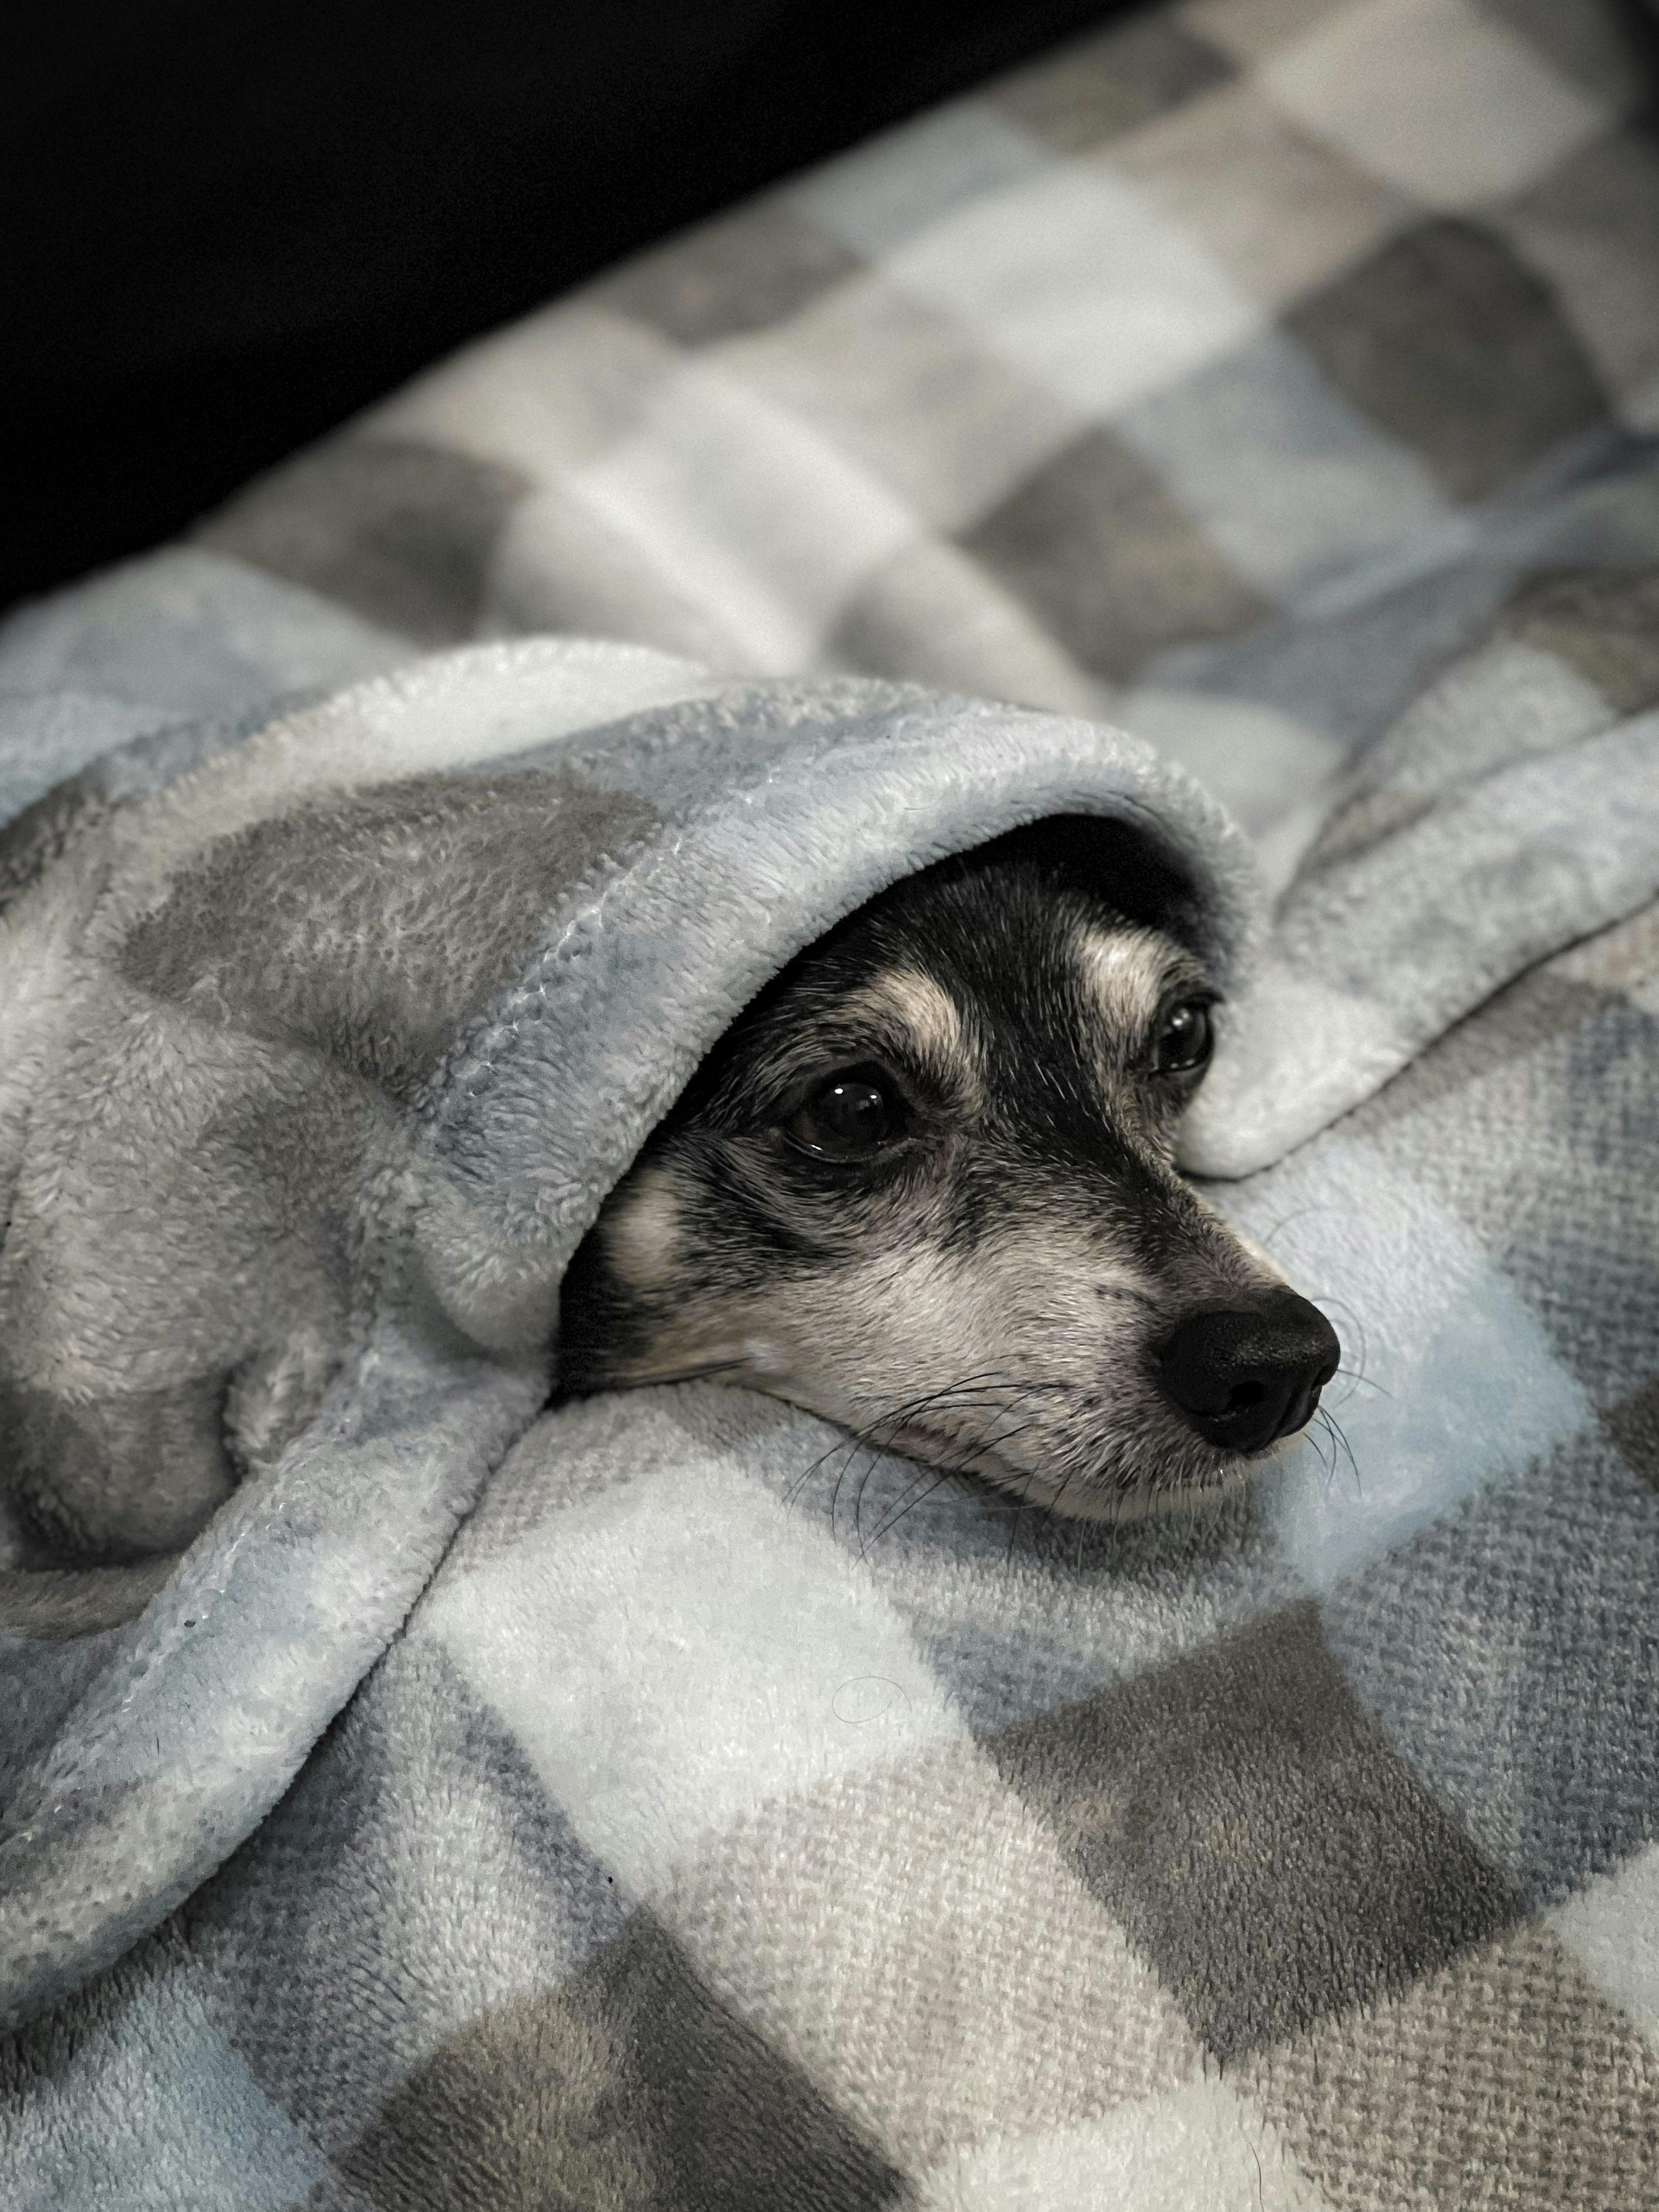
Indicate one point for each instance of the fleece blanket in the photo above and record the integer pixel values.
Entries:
(725, 1816)
(739, 1816)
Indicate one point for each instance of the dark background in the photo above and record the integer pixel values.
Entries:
(225, 225)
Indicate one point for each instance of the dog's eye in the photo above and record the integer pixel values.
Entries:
(1184, 1039)
(846, 1118)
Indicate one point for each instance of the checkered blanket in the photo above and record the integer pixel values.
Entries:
(738, 1821)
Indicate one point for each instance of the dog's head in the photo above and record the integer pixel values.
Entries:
(924, 1187)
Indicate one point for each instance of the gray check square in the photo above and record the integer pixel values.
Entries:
(1504, 2080)
(1235, 1808)
(630, 2085)
(1107, 85)
(1602, 622)
(1633, 1425)
(743, 272)
(1554, 1171)
(1104, 558)
(1446, 340)
(1513, 1659)
(398, 530)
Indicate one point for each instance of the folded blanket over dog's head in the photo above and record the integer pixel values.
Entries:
(703, 1831)
(323, 1048)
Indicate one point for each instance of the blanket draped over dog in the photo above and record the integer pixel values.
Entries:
(664, 1802)
(731, 1798)
(318, 1071)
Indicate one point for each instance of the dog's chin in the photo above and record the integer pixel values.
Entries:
(1090, 1497)
(1155, 1497)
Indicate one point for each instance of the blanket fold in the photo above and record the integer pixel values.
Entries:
(323, 1053)
(574, 1801)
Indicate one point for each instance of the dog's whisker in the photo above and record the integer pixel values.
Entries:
(1323, 1442)
(822, 1459)
(1341, 1308)
(1341, 1437)
(917, 1493)
(1326, 1466)
(1361, 1381)
(874, 1439)
(1301, 1213)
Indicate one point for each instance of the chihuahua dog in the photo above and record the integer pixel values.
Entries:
(924, 1187)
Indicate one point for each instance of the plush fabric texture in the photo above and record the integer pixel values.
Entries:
(321, 1054)
(725, 1816)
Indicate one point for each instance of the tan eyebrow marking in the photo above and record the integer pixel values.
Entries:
(1126, 972)
(897, 1012)
(923, 1010)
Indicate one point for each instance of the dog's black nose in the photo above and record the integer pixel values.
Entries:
(1245, 1379)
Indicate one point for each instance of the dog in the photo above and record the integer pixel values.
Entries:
(924, 1187)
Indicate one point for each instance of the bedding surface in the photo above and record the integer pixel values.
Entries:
(729, 1816)
(740, 1815)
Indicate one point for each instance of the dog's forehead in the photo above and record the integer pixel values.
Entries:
(1057, 966)
(1071, 985)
